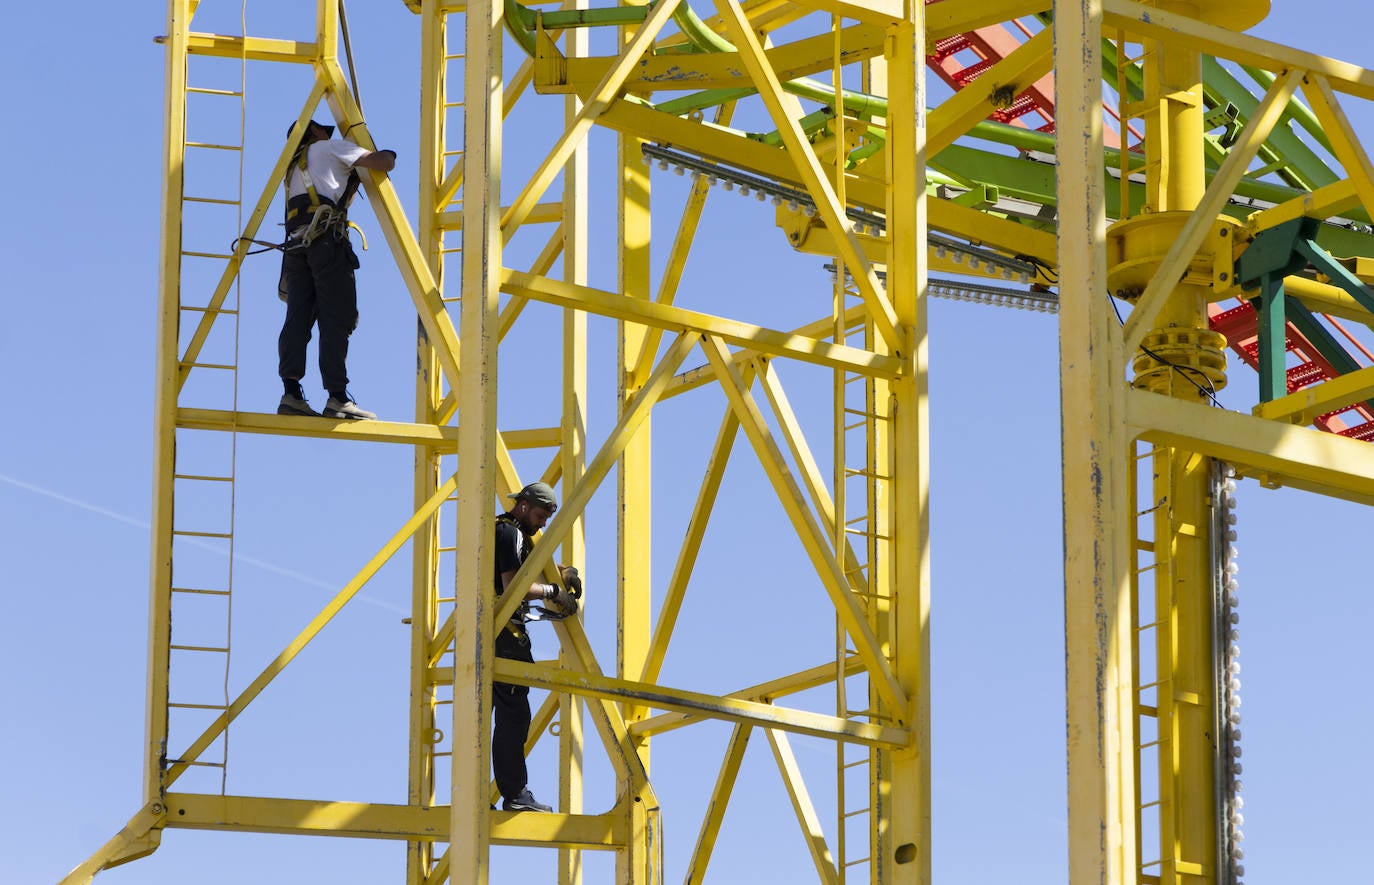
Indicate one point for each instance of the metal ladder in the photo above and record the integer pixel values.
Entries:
(429, 862)
(204, 468)
(860, 545)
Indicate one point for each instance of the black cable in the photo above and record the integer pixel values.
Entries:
(267, 247)
(1210, 391)
(1041, 268)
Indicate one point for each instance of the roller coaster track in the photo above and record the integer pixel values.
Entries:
(1016, 191)
(1290, 159)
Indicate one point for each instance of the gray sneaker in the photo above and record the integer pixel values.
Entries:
(295, 405)
(524, 801)
(337, 408)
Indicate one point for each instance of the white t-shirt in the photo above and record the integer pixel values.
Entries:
(328, 163)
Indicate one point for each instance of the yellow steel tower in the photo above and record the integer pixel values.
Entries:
(500, 269)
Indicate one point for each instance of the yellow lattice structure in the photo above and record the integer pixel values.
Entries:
(847, 171)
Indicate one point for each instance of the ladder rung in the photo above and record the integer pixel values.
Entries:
(855, 471)
(452, 57)
(214, 147)
(855, 863)
(224, 535)
(1148, 626)
(199, 706)
(201, 90)
(849, 814)
(454, 104)
(204, 478)
(199, 648)
(225, 310)
(445, 549)
(196, 763)
(442, 753)
(854, 764)
(446, 600)
(1149, 805)
(211, 200)
(457, 153)
(221, 255)
(200, 591)
(867, 534)
(223, 366)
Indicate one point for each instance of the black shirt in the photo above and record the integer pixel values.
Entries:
(512, 548)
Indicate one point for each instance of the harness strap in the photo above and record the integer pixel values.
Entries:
(522, 614)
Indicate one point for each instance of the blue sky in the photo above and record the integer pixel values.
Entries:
(79, 254)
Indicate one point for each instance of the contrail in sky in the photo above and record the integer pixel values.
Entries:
(53, 495)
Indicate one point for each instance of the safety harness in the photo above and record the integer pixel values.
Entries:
(316, 214)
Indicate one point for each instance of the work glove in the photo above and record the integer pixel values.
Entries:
(572, 579)
(562, 598)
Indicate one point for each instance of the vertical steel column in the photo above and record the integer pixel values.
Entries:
(1097, 622)
(165, 408)
(1186, 696)
(905, 846)
(475, 634)
(424, 610)
(635, 865)
(574, 440)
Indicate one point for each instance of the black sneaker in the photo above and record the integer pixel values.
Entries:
(295, 405)
(525, 801)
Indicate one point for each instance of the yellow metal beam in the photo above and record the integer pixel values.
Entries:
(369, 820)
(802, 806)
(785, 111)
(1345, 144)
(974, 103)
(719, 70)
(764, 692)
(391, 218)
(900, 780)
(140, 837)
(1199, 224)
(677, 259)
(1144, 20)
(674, 594)
(476, 387)
(1274, 452)
(442, 438)
(252, 48)
(757, 338)
(1324, 202)
(600, 98)
(720, 799)
(880, 12)
(176, 768)
(1310, 403)
(698, 704)
(809, 531)
(576, 498)
(1097, 559)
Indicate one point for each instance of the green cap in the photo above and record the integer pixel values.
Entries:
(539, 494)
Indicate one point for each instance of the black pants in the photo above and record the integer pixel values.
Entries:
(319, 289)
(511, 705)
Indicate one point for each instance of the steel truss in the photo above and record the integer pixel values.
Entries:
(871, 179)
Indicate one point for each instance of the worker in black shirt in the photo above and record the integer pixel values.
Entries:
(534, 505)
